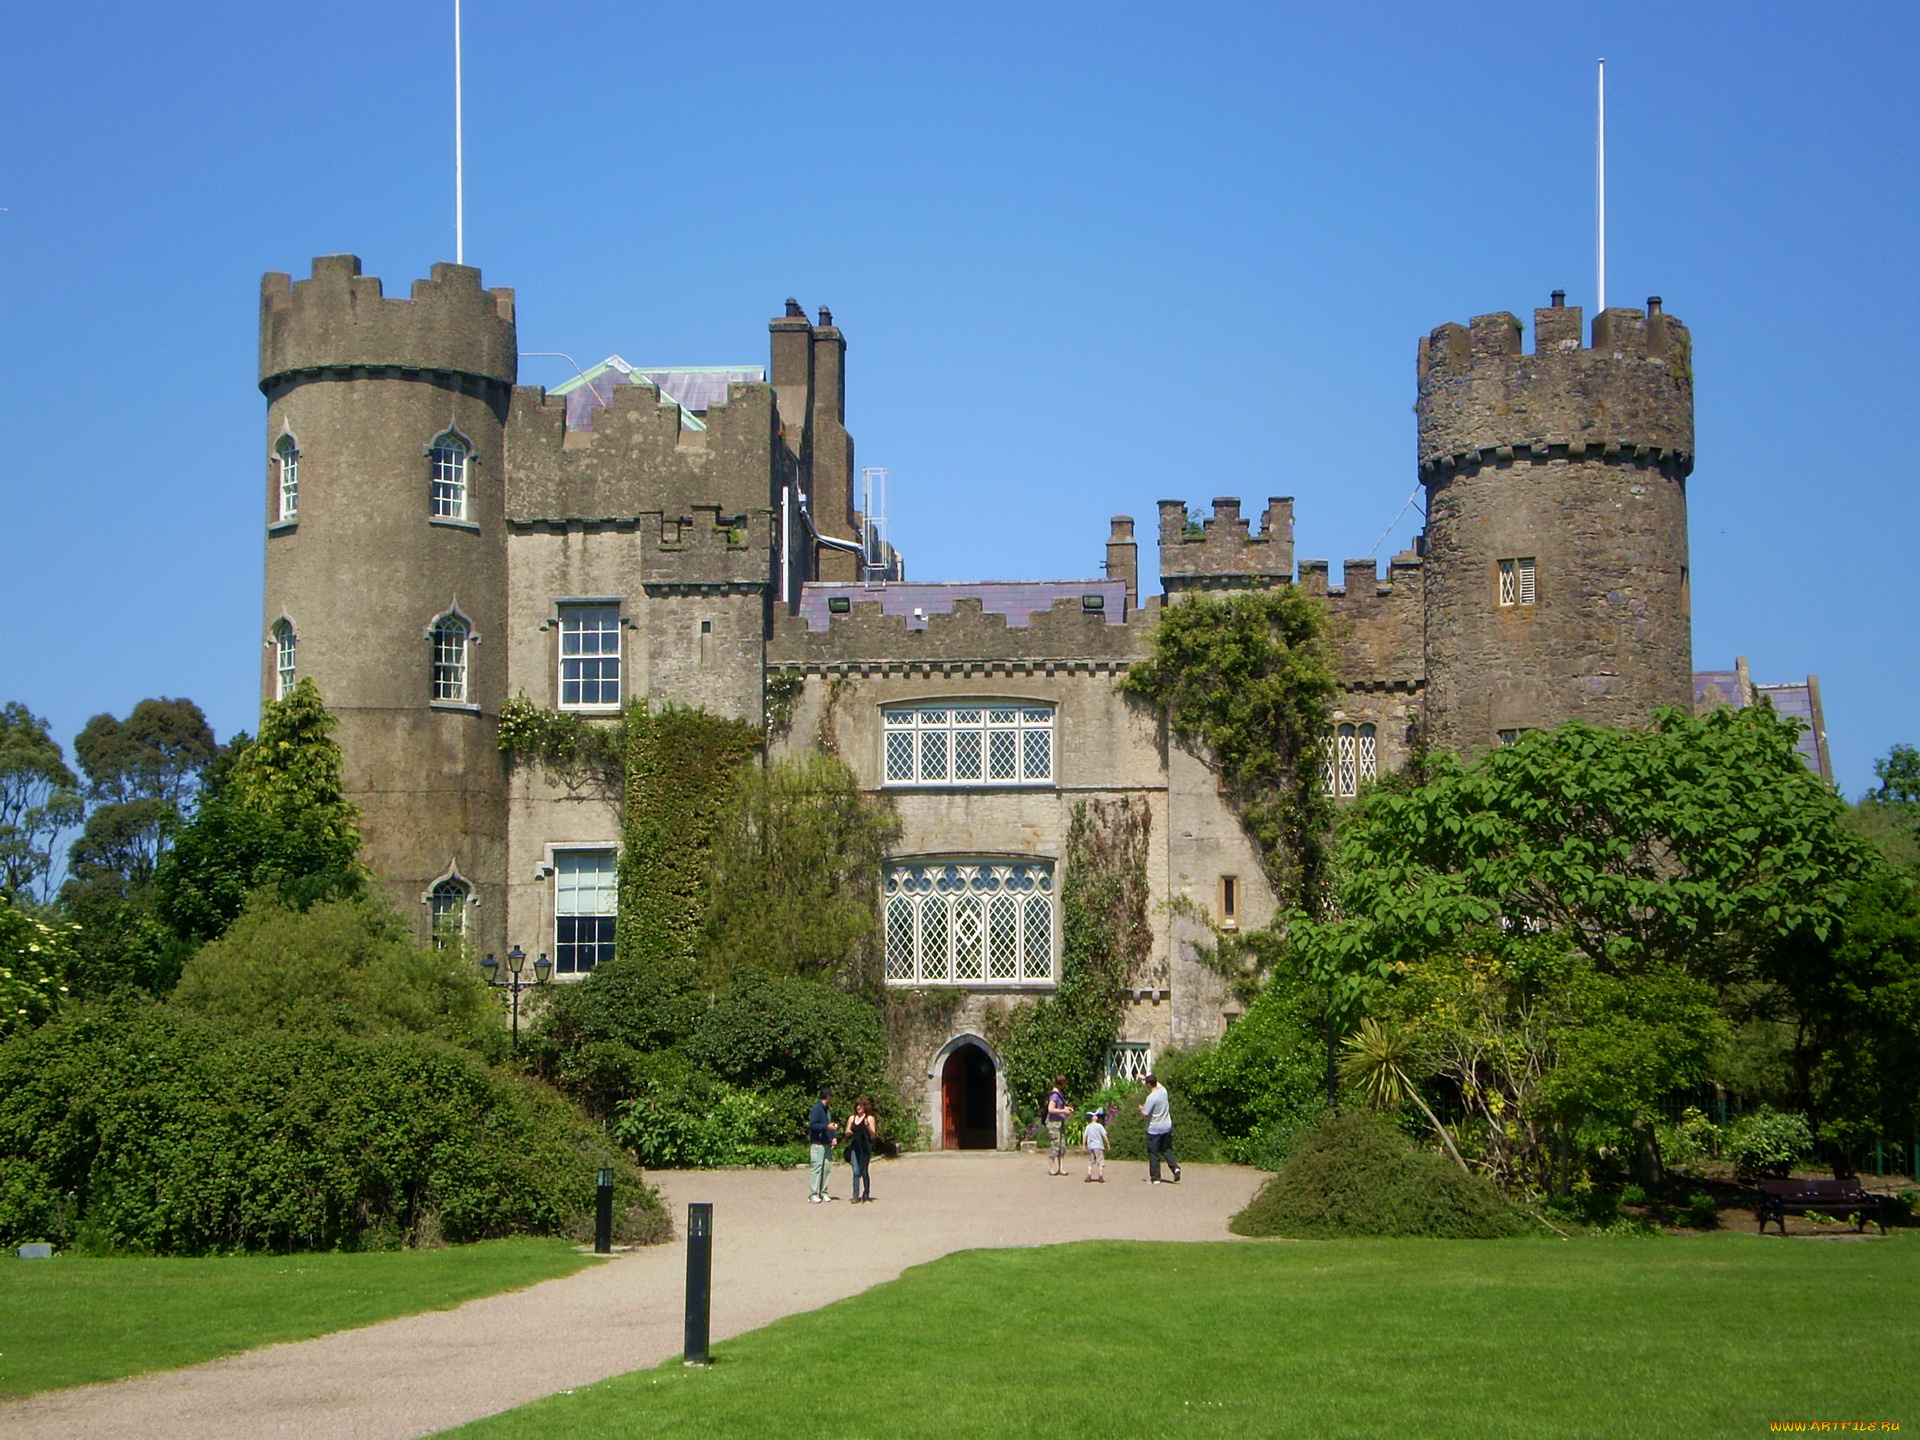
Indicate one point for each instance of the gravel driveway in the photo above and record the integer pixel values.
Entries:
(774, 1255)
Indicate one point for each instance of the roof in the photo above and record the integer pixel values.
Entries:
(695, 388)
(1015, 599)
(1796, 700)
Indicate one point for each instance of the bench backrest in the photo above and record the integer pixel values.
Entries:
(1822, 1189)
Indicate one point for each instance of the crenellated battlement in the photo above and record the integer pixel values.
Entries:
(1220, 551)
(339, 322)
(1627, 398)
(1065, 632)
(1377, 621)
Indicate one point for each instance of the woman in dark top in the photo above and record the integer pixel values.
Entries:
(862, 1130)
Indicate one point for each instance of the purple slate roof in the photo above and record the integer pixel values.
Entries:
(1795, 702)
(1015, 599)
(1716, 687)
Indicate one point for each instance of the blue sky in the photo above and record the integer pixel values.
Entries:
(1087, 256)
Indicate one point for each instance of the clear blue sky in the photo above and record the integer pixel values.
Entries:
(1087, 256)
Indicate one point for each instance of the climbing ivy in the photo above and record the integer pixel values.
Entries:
(1105, 938)
(1246, 682)
(581, 754)
(681, 765)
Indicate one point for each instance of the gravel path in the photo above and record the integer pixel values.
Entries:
(774, 1255)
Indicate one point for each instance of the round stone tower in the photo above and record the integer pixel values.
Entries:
(1556, 570)
(386, 574)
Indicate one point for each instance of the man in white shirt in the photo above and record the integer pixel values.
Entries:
(1159, 1131)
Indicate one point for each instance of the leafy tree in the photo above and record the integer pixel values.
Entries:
(1889, 816)
(38, 799)
(797, 862)
(272, 815)
(347, 965)
(35, 957)
(1899, 776)
(1702, 845)
(1245, 680)
(1264, 1079)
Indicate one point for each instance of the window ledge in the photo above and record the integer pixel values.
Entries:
(591, 709)
(449, 524)
(981, 787)
(453, 707)
(999, 987)
(282, 527)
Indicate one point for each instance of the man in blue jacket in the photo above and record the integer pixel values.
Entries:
(820, 1132)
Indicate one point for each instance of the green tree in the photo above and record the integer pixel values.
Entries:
(272, 814)
(38, 799)
(35, 957)
(1899, 775)
(1245, 681)
(1888, 816)
(1703, 845)
(347, 965)
(796, 870)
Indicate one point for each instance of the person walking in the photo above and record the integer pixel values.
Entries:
(1057, 1112)
(1096, 1142)
(1159, 1131)
(862, 1131)
(820, 1132)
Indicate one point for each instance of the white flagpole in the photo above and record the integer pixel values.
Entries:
(459, 165)
(1600, 198)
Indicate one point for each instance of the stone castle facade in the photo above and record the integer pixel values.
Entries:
(441, 538)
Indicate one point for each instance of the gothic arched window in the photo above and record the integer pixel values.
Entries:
(448, 457)
(1350, 760)
(451, 635)
(284, 647)
(448, 904)
(287, 457)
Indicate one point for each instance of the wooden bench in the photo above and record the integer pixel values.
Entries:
(1778, 1199)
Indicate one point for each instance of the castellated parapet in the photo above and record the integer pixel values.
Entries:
(1220, 552)
(339, 320)
(1556, 577)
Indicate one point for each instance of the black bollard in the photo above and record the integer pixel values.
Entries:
(603, 1215)
(699, 1282)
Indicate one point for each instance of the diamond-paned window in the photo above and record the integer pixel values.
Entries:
(1350, 760)
(971, 922)
(967, 745)
(589, 657)
(1517, 581)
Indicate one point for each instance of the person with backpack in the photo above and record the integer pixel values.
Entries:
(1159, 1115)
(1056, 1117)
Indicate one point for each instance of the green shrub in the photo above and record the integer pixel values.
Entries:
(345, 965)
(1195, 1141)
(1267, 1073)
(35, 957)
(1690, 1139)
(147, 1129)
(1357, 1174)
(699, 1126)
(1701, 1213)
(1768, 1142)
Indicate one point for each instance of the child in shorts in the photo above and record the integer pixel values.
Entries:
(1096, 1143)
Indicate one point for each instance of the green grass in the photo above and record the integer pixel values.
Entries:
(1715, 1336)
(72, 1320)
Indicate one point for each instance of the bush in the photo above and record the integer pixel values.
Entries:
(1267, 1075)
(1357, 1174)
(1690, 1139)
(146, 1129)
(1195, 1141)
(699, 1126)
(345, 965)
(1768, 1142)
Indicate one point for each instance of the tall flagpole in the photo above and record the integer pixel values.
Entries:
(459, 159)
(1600, 198)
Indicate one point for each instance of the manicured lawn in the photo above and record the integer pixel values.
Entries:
(1714, 1336)
(69, 1320)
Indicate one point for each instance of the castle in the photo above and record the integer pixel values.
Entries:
(441, 538)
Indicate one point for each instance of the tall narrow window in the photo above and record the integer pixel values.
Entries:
(287, 456)
(451, 636)
(1350, 760)
(448, 457)
(585, 909)
(1517, 581)
(1229, 902)
(590, 657)
(284, 647)
(448, 905)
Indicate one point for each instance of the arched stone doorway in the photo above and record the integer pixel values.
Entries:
(966, 1095)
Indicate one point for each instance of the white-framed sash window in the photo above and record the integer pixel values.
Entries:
(586, 907)
(589, 657)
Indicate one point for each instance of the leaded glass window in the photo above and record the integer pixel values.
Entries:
(1517, 581)
(451, 636)
(448, 457)
(585, 909)
(590, 657)
(447, 903)
(287, 456)
(973, 922)
(967, 744)
(286, 650)
(1350, 760)
(1131, 1061)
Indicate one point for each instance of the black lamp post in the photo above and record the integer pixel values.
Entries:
(513, 984)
